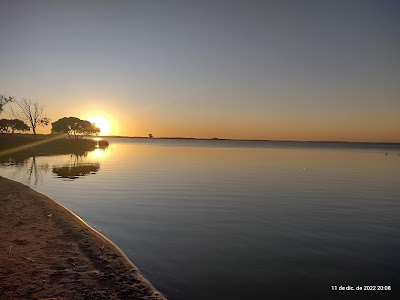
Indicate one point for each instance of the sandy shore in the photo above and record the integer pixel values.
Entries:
(49, 253)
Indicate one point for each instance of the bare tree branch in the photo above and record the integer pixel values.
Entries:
(32, 112)
(4, 100)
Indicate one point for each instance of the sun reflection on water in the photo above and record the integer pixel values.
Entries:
(97, 153)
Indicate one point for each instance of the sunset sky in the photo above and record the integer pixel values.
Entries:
(286, 70)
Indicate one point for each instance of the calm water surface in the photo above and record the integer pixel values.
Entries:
(236, 220)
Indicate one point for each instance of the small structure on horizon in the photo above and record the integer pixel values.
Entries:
(150, 135)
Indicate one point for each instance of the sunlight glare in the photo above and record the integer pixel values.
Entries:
(96, 153)
(102, 123)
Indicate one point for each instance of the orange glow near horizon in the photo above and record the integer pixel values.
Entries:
(102, 123)
(123, 122)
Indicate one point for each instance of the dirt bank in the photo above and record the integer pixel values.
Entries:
(47, 252)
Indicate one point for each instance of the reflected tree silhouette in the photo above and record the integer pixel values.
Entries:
(34, 171)
(31, 168)
(14, 160)
(76, 168)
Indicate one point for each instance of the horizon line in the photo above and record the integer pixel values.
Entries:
(222, 139)
(248, 140)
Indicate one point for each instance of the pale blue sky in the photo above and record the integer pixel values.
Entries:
(308, 70)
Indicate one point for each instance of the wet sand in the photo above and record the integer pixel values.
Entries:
(46, 252)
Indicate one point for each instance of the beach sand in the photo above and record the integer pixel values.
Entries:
(46, 252)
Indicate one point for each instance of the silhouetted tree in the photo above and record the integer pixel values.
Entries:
(32, 113)
(3, 125)
(74, 127)
(4, 100)
(150, 135)
(12, 126)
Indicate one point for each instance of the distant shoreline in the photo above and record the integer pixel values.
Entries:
(240, 140)
(88, 143)
(209, 139)
(250, 140)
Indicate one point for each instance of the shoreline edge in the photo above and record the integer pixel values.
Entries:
(50, 252)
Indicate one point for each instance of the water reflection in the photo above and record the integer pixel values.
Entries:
(33, 169)
(76, 167)
(10, 161)
(98, 152)
(300, 217)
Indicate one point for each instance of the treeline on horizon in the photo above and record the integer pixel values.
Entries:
(30, 114)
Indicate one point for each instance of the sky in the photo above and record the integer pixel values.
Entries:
(282, 70)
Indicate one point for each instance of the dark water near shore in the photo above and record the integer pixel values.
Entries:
(238, 220)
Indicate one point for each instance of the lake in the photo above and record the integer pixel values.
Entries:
(214, 219)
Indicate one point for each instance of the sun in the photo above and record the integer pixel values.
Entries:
(102, 123)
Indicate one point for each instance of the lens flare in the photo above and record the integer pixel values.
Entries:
(102, 123)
